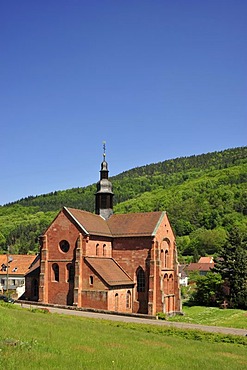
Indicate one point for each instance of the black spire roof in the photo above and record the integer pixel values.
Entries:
(104, 194)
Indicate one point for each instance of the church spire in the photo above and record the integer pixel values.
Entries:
(104, 144)
(104, 194)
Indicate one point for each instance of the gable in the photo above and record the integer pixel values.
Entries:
(85, 222)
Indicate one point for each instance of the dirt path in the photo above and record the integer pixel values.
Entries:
(138, 320)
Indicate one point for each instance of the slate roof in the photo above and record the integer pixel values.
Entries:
(19, 264)
(109, 271)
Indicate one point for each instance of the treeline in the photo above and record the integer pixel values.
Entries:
(205, 197)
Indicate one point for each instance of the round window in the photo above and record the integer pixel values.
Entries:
(64, 246)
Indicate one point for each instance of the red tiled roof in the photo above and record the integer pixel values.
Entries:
(134, 224)
(208, 259)
(109, 271)
(200, 266)
(118, 225)
(18, 263)
(89, 222)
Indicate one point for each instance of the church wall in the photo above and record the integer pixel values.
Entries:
(61, 229)
(132, 253)
(120, 300)
(100, 247)
(28, 288)
(60, 292)
(95, 299)
(94, 293)
(167, 284)
(30, 292)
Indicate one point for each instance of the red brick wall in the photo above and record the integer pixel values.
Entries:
(94, 299)
(132, 253)
(99, 247)
(117, 300)
(168, 294)
(61, 229)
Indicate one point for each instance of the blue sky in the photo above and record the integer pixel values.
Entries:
(155, 79)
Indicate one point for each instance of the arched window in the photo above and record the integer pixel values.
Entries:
(166, 258)
(128, 299)
(165, 247)
(70, 272)
(140, 280)
(55, 269)
(97, 249)
(162, 258)
(166, 284)
(116, 302)
(104, 249)
(170, 285)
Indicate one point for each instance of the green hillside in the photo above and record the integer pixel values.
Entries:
(204, 195)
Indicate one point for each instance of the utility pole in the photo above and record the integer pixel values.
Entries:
(7, 282)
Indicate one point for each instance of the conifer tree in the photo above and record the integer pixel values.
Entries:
(232, 265)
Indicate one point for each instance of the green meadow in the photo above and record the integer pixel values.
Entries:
(213, 316)
(35, 339)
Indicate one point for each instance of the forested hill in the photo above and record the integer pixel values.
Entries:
(204, 195)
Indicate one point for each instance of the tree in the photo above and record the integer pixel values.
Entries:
(232, 266)
(207, 241)
(208, 290)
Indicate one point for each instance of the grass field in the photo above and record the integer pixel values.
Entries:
(32, 339)
(213, 316)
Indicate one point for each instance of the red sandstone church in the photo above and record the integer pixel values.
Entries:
(115, 262)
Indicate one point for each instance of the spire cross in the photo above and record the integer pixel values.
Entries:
(104, 143)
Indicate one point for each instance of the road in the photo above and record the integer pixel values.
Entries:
(138, 320)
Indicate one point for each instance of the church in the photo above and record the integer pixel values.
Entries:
(105, 261)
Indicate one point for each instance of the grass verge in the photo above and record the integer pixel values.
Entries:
(35, 339)
(213, 316)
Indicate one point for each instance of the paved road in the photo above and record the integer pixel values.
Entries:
(138, 320)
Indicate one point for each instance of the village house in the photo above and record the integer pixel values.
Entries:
(203, 266)
(12, 272)
(115, 262)
(183, 276)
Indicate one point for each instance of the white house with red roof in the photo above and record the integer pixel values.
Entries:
(13, 268)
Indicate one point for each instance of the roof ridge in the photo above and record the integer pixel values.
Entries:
(81, 210)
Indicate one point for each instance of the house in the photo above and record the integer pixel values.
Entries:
(115, 262)
(12, 272)
(203, 266)
(183, 276)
